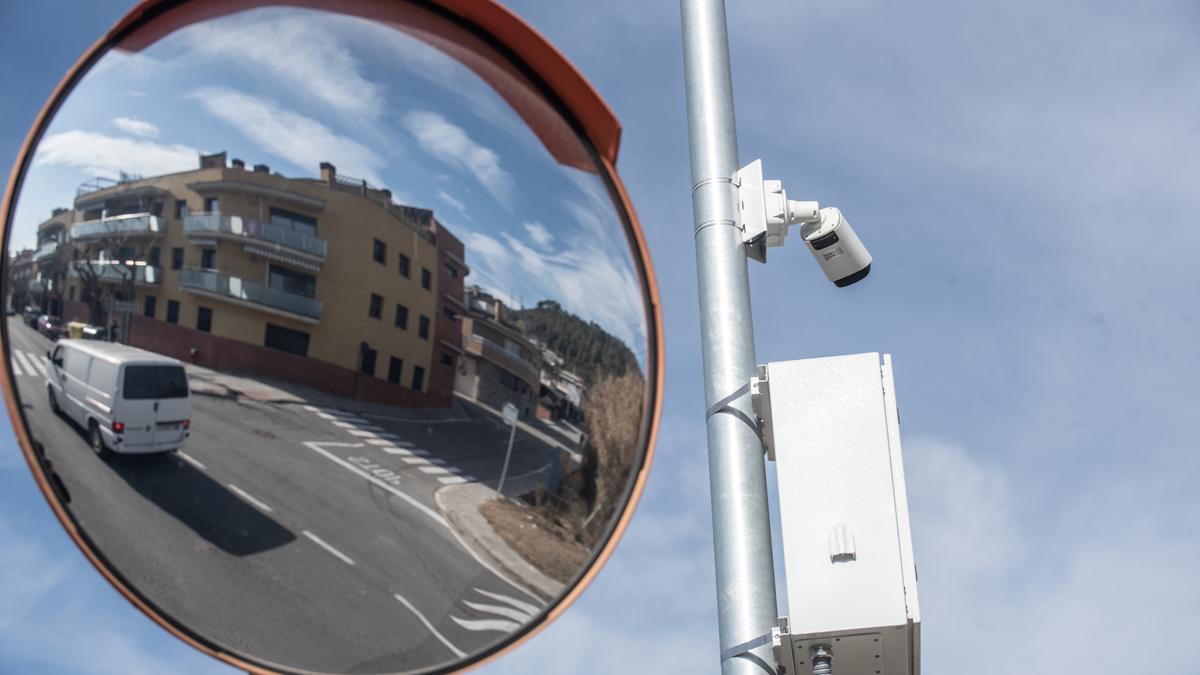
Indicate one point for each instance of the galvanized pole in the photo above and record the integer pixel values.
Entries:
(737, 479)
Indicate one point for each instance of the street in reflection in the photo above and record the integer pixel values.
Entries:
(340, 360)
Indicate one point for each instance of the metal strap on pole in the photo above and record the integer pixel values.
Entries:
(737, 479)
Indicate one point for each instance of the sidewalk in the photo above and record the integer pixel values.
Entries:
(461, 504)
(209, 382)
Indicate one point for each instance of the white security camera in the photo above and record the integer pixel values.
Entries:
(836, 248)
(767, 213)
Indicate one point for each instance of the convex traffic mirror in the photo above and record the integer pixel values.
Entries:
(332, 339)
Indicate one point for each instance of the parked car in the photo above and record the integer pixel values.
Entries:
(30, 315)
(128, 399)
(50, 326)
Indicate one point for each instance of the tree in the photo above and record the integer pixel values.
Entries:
(107, 259)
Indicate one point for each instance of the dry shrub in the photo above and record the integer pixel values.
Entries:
(612, 409)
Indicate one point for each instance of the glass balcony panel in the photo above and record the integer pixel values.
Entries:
(216, 223)
(249, 291)
(117, 226)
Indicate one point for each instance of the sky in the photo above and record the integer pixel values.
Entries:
(1024, 177)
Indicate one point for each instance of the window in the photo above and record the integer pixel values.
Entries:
(143, 382)
(447, 360)
(180, 209)
(423, 328)
(176, 258)
(449, 313)
(286, 340)
(150, 306)
(418, 381)
(375, 311)
(395, 365)
(401, 317)
(452, 271)
(405, 265)
(212, 204)
(368, 362)
(426, 279)
(292, 281)
(509, 380)
(294, 222)
(379, 253)
(208, 259)
(204, 319)
(155, 255)
(172, 311)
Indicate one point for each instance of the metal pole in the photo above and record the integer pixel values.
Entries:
(507, 456)
(737, 478)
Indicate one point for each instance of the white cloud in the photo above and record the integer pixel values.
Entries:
(103, 155)
(450, 144)
(539, 234)
(284, 133)
(452, 201)
(136, 127)
(297, 49)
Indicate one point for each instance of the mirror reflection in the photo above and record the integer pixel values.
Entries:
(333, 334)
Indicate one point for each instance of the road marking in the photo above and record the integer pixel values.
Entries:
(338, 554)
(16, 366)
(246, 496)
(191, 460)
(393, 450)
(457, 652)
(507, 612)
(529, 609)
(40, 361)
(379, 441)
(435, 470)
(26, 362)
(316, 447)
(486, 624)
(414, 460)
(363, 434)
(452, 480)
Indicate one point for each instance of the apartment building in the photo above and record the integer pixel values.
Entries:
(324, 282)
(499, 364)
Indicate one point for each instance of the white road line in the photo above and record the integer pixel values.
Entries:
(25, 361)
(457, 652)
(506, 612)
(435, 470)
(362, 434)
(338, 554)
(531, 610)
(379, 441)
(246, 496)
(451, 480)
(15, 365)
(316, 447)
(487, 624)
(393, 450)
(420, 461)
(191, 460)
(344, 425)
(40, 362)
(312, 408)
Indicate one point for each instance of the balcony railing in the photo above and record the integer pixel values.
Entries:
(116, 273)
(236, 288)
(46, 252)
(117, 226)
(215, 223)
(481, 346)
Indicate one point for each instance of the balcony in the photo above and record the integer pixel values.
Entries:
(133, 224)
(117, 273)
(251, 294)
(46, 252)
(506, 359)
(236, 226)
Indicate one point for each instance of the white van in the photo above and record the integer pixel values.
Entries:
(129, 400)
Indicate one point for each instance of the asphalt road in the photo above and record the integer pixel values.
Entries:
(296, 535)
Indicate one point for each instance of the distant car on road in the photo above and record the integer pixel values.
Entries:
(50, 326)
(128, 399)
(30, 315)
